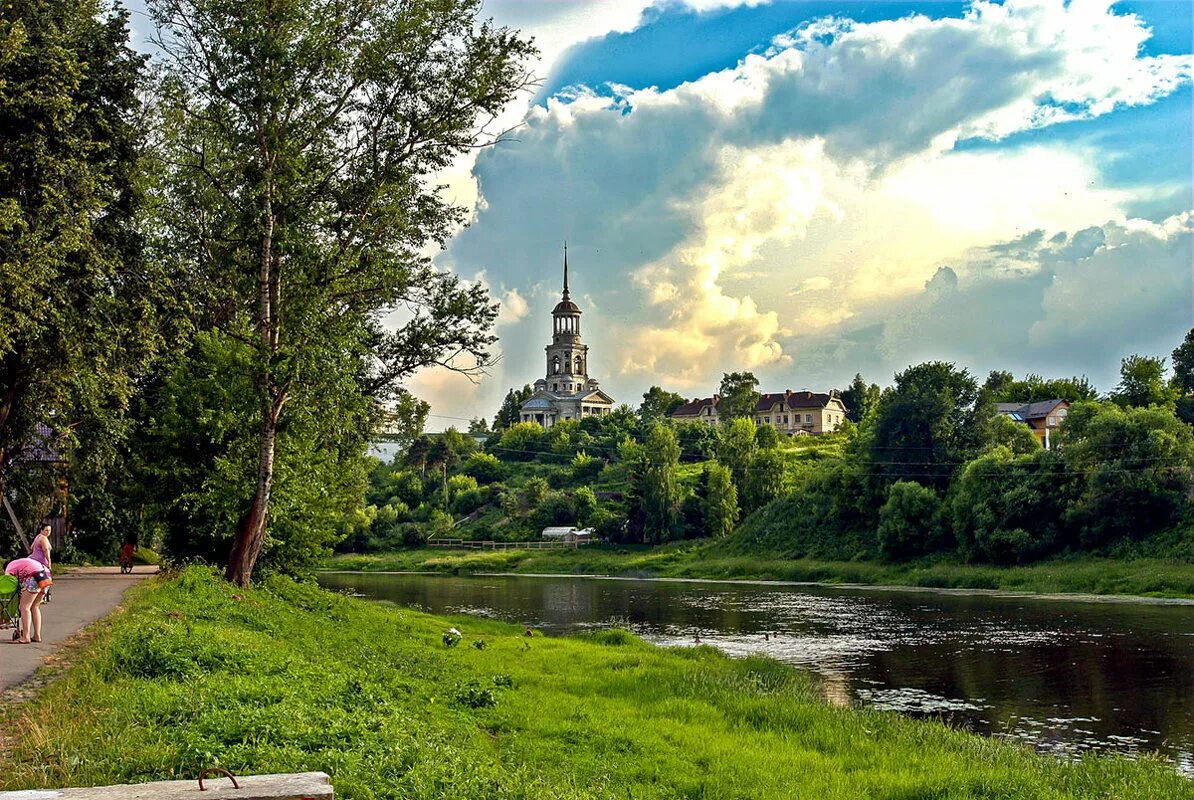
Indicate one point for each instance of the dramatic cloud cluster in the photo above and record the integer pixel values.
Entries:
(792, 214)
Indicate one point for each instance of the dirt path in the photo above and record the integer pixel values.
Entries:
(80, 597)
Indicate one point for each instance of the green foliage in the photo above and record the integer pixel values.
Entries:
(584, 504)
(768, 479)
(767, 437)
(739, 396)
(87, 303)
(655, 495)
(1015, 436)
(909, 521)
(484, 468)
(534, 492)
(720, 501)
(698, 440)
(737, 448)
(1183, 365)
(1003, 387)
(1010, 509)
(1142, 383)
(509, 413)
(406, 419)
(476, 696)
(927, 426)
(860, 399)
(300, 142)
(521, 441)
(1135, 468)
(658, 405)
(555, 509)
(197, 452)
(584, 467)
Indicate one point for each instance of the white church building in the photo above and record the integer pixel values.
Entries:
(567, 392)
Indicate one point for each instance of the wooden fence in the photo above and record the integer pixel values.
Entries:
(301, 786)
(470, 544)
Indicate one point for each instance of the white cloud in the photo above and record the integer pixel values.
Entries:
(760, 216)
(513, 307)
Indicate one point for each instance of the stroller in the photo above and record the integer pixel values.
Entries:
(10, 608)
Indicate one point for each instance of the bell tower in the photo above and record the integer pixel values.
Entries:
(567, 355)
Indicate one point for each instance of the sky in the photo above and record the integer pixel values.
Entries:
(809, 189)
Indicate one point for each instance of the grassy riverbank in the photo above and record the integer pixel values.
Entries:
(290, 677)
(1087, 575)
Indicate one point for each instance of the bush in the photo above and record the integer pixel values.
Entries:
(556, 509)
(469, 501)
(522, 441)
(1011, 510)
(909, 522)
(767, 437)
(484, 468)
(585, 467)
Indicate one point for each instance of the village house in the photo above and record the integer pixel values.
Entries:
(790, 413)
(1043, 418)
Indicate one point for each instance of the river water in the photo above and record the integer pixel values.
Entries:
(1065, 676)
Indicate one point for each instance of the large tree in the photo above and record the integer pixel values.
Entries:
(303, 134)
(860, 398)
(658, 404)
(1142, 383)
(78, 298)
(1003, 387)
(931, 423)
(1183, 364)
(510, 412)
(739, 396)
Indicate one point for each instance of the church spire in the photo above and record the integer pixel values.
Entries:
(565, 270)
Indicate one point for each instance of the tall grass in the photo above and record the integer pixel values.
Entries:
(289, 678)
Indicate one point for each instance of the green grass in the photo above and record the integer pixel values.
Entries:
(1151, 577)
(287, 677)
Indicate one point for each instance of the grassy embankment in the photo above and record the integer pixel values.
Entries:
(1145, 576)
(289, 677)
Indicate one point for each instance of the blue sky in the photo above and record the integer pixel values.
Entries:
(813, 189)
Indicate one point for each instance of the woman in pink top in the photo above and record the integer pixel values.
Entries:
(34, 576)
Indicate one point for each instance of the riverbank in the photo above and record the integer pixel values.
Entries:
(1087, 575)
(286, 677)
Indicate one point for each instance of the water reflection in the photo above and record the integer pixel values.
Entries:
(1063, 676)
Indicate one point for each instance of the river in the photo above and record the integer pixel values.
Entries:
(1065, 676)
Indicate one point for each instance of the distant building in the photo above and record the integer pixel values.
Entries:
(1043, 417)
(567, 392)
(791, 413)
(569, 535)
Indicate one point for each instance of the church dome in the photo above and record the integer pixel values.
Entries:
(566, 306)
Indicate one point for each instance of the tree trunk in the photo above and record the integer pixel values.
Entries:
(251, 535)
(249, 538)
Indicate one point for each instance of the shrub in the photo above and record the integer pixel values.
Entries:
(584, 503)
(585, 467)
(521, 441)
(484, 468)
(469, 501)
(767, 437)
(909, 522)
(473, 696)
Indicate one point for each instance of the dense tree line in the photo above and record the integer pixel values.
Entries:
(193, 288)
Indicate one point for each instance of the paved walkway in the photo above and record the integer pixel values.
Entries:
(80, 597)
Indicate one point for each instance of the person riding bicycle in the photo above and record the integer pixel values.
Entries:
(126, 557)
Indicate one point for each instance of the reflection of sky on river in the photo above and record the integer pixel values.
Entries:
(1062, 677)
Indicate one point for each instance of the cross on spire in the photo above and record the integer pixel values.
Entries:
(565, 270)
